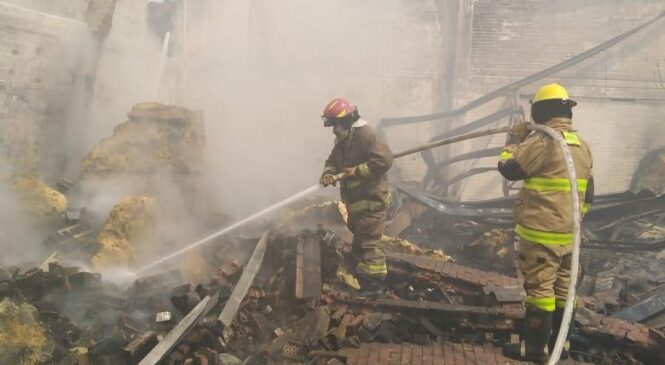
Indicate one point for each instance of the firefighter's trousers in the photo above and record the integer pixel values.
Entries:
(546, 270)
(367, 228)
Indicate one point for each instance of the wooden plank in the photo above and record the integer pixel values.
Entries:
(176, 334)
(245, 282)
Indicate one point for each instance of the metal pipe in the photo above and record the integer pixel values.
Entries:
(577, 229)
(451, 140)
(443, 142)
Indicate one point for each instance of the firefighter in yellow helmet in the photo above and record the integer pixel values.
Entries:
(543, 217)
(364, 156)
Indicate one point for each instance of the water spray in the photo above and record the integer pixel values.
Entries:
(283, 203)
(310, 191)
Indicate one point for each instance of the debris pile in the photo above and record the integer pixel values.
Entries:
(287, 304)
(156, 137)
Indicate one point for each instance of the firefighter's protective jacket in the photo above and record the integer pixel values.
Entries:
(543, 209)
(367, 150)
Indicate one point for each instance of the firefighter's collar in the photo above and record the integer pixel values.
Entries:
(359, 123)
(560, 123)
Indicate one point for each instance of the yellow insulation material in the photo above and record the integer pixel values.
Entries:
(23, 339)
(156, 137)
(38, 198)
(129, 221)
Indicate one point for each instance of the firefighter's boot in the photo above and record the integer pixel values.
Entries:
(535, 337)
(556, 324)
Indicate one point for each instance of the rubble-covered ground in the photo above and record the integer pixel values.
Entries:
(290, 303)
(280, 292)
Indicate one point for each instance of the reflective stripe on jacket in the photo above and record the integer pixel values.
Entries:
(543, 206)
(367, 150)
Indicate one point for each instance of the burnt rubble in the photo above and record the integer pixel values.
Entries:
(286, 304)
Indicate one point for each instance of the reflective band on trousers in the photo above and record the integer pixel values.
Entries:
(373, 269)
(542, 237)
(371, 205)
(586, 207)
(546, 304)
(553, 184)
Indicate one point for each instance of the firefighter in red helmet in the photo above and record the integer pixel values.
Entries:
(364, 156)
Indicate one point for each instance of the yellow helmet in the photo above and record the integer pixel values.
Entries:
(553, 91)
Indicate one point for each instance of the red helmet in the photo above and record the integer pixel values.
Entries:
(338, 109)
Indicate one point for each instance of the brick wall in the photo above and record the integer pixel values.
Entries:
(40, 66)
(621, 91)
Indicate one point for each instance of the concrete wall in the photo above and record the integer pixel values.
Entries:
(621, 92)
(40, 67)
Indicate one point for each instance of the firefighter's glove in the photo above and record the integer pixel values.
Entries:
(328, 179)
(519, 132)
